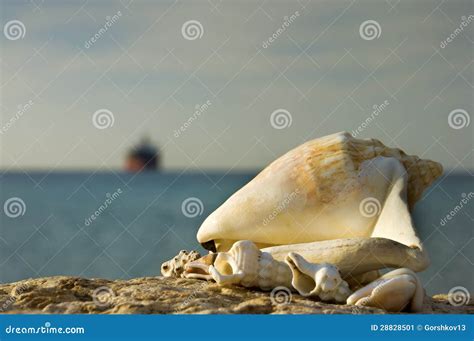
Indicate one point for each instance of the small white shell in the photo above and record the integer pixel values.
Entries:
(317, 280)
(244, 264)
(395, 291)
(175, 266)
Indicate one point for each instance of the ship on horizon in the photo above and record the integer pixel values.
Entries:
(143, 157)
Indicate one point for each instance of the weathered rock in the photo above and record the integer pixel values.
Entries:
(159, 295)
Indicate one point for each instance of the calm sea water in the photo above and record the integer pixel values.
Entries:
(143, 224)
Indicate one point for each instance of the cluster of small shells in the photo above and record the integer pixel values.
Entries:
(175, 266)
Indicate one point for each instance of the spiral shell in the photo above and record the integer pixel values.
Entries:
(421, 172)
(330, 163)
(244, 264)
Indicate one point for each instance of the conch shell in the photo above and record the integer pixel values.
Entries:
(309, 194)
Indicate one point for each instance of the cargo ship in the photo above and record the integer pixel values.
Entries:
(143, 157)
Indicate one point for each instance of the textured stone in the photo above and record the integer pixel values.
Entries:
(158, 295)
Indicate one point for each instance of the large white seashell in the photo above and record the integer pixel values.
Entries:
(313, 193)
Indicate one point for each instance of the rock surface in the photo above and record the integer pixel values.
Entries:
(159, 295)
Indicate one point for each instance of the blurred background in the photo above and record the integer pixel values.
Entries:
(125, 123)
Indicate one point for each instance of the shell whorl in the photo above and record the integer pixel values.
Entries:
(329, 165)
(258, 268)
(421, 172)
(272, 273)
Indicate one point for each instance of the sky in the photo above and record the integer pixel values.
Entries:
(231, 85)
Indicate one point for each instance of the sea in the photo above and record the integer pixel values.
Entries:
(121, 225)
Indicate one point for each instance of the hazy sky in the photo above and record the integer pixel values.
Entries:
(323, 73)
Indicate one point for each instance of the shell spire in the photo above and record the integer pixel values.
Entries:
(421, 172)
